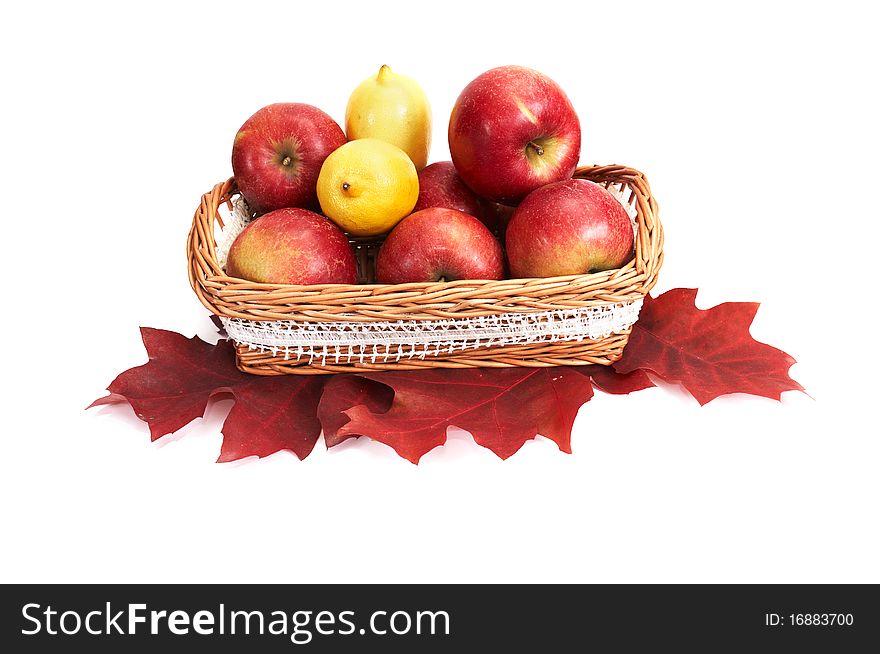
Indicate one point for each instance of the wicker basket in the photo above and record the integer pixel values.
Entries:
(244, 303)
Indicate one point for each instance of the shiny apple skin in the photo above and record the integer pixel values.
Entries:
(568, 228)
(513, 130)
(440, 186)
(437, 244)
(278, 152)
(292, 246)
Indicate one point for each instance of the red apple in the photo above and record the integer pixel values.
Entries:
(440, 186)
(278, 153)
(439, 244)
(568, 228)
(292, 246)
(511, 131)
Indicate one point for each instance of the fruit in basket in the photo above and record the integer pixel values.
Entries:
(511, 131)
(367, 186)
(278, 153)
(568, 228)
(393, 108)
(292, 246)
(439, 244)
(440, 186)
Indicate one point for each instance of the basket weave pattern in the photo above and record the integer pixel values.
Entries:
(234, 298)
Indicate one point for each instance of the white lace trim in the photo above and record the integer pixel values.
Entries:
(344, 342)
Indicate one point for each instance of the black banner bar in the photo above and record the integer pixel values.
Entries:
(438, 618)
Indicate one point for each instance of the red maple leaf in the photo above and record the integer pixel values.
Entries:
(611, 381)
(341, 393)
(183, 374)
(501, 408)
(273, 414)
(710, 352)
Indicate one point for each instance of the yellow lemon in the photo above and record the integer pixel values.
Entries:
(366, 186)
(393, 108)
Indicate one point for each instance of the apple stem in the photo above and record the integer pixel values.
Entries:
(537, 148)
(285, 161)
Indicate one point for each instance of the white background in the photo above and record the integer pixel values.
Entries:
(756, 126)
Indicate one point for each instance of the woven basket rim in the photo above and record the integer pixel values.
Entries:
(416, 286)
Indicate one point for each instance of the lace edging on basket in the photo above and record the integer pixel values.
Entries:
(371, 342)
